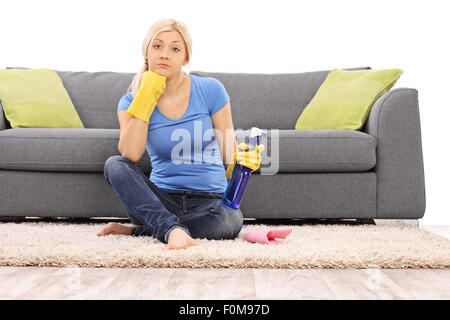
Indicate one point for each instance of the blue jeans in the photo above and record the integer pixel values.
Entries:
(157, 211)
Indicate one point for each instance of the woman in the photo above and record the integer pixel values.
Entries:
(182, 199)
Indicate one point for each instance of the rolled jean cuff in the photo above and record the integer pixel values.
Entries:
(166, 237)
(133, 232)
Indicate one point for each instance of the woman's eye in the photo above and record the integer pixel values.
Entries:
(159, 46)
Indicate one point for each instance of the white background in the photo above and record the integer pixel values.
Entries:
(261, 37)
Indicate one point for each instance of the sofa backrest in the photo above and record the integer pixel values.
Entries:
(96, 95)
(267, 101)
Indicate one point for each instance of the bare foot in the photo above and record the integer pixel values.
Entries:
(115, 228)
(179, 239)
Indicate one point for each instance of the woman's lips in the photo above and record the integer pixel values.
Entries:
(163, 65)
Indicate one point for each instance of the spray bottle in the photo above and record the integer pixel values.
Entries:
(241, 174)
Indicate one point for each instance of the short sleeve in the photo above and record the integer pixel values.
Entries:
(218, 96)
(125, 102)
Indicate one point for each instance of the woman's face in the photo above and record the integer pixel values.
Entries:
(167, 48)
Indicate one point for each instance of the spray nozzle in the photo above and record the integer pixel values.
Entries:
(255, 136)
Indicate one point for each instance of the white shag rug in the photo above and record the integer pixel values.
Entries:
(308, 246)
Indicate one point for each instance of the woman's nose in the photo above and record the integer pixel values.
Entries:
(165, 53)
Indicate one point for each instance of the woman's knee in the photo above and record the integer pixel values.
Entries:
(113, 165)
(232, 220)
(239, 223)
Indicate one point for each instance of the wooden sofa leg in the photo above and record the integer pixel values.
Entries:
(408, 222)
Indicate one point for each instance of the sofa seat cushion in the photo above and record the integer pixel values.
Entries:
(316, 150)
(60, 149)
(70, 149)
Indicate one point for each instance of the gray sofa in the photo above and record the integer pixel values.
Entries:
(375, 173)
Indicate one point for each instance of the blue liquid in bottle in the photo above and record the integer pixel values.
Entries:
(238, 182)
(236, 187)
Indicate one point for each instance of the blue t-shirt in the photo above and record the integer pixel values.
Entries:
(184, 153)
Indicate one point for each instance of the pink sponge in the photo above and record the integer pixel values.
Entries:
(267, 236)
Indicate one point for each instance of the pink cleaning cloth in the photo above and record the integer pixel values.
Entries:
(267, 236)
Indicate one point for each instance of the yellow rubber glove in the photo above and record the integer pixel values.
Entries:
(152, 87)
(247, 158)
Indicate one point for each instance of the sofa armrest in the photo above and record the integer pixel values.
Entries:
(395, 122)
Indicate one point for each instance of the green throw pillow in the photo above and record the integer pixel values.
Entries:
(345, 98)
(36, 98)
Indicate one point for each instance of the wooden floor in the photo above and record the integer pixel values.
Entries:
(221, 284)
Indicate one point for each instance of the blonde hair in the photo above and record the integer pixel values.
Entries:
(153, 31)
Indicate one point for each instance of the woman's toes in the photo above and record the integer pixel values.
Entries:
(105, 230)
(115, 228)
(192, 242)
(102, 232)
(179, 239)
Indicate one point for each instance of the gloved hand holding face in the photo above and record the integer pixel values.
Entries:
(152, 87)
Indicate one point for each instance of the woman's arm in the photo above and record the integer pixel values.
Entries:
(224, 131)
(133, 136)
